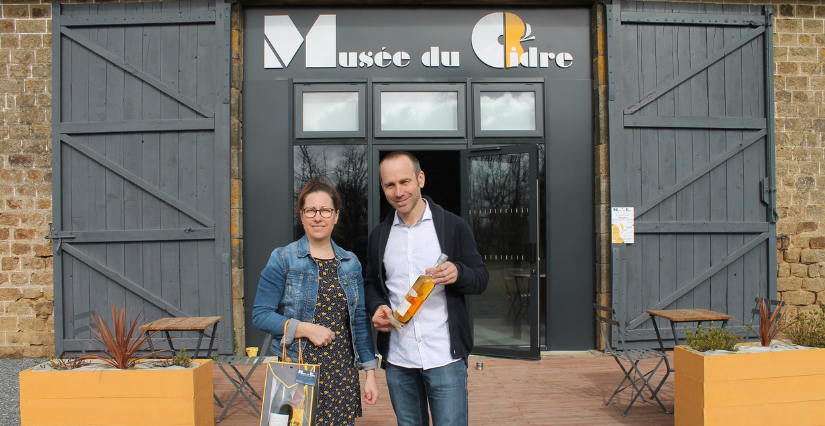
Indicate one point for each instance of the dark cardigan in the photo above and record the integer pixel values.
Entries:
(456, 240)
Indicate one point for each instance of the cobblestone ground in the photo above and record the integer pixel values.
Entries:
(9, 389)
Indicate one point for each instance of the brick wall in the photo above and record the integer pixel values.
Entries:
(236, 151)
(26, 296)
(799, 85)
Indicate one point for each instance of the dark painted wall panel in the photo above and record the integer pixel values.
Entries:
(568, 107)
(267, 193)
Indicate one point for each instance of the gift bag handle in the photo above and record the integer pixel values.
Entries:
(283, 347)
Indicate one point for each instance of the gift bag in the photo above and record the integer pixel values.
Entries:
(290, 392)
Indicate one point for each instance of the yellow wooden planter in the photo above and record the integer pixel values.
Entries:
(118, 397)
(768, 388)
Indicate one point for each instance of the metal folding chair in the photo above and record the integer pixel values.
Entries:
(628, 360)
(241, 381)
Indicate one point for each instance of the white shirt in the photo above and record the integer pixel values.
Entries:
(425, 341)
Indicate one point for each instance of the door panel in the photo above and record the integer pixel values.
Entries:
(141, 164)
(499, 200)
(691, 149)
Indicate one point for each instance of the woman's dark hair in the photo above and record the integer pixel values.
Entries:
(318, 186)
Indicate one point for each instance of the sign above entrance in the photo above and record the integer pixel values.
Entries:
(499, 40)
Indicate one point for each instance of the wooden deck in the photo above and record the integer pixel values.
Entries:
(568, 389)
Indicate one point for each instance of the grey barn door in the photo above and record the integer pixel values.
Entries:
(691, 149)
(141, 164)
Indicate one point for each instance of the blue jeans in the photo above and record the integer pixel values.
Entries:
(444, 388)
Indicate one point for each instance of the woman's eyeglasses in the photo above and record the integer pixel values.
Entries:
(326, 212)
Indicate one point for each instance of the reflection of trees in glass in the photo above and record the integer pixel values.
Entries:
(498, 204)
(350, 178)
(345, 167)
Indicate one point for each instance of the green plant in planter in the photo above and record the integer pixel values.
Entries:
(182, 359)
(712, 338)
(807, 329)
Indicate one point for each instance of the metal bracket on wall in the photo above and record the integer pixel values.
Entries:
(783, 242)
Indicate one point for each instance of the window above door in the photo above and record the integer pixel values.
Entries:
(501, 112)
(324, 111)
(420, 110)
(508, 110)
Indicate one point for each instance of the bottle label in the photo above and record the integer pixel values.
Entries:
(403, 308)
(276, 419)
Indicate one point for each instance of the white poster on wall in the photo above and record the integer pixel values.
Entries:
(621, 225)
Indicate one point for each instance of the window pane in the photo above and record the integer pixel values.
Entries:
(419, 111)
(330, 111)
(508, 110)
(499, 215)
(345, 167)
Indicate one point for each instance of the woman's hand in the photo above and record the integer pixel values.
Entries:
(371, 388)
(317, 334)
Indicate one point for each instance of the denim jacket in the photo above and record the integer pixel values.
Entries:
(288, 290)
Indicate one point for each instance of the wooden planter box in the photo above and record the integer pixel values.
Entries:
(118, 397)
(769, 388)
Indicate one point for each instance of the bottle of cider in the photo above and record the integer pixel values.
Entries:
(280, 415)
(415, 297)
(280, 411)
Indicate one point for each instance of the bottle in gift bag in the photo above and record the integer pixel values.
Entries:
(280, 415)
(415, 298)
(280, 409)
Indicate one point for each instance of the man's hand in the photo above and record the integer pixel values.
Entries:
(381, 319)
(443, 274)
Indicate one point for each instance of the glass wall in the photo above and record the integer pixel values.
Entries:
(413, 117)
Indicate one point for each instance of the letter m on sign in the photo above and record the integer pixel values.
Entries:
(282, 41)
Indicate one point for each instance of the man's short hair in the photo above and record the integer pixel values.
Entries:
(396, 154)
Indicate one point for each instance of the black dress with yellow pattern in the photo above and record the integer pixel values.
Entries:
(339, 394)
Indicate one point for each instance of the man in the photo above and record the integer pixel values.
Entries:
(426, 362)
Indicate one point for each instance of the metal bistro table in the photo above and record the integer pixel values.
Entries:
(199, 324)
(685, 315)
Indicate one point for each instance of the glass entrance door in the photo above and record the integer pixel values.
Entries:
(500, 202)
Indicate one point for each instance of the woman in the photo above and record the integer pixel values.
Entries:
(335, 328)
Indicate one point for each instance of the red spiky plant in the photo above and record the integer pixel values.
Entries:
(120, 349)
(769, 324)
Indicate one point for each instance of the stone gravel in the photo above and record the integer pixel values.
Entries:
(9, 388)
